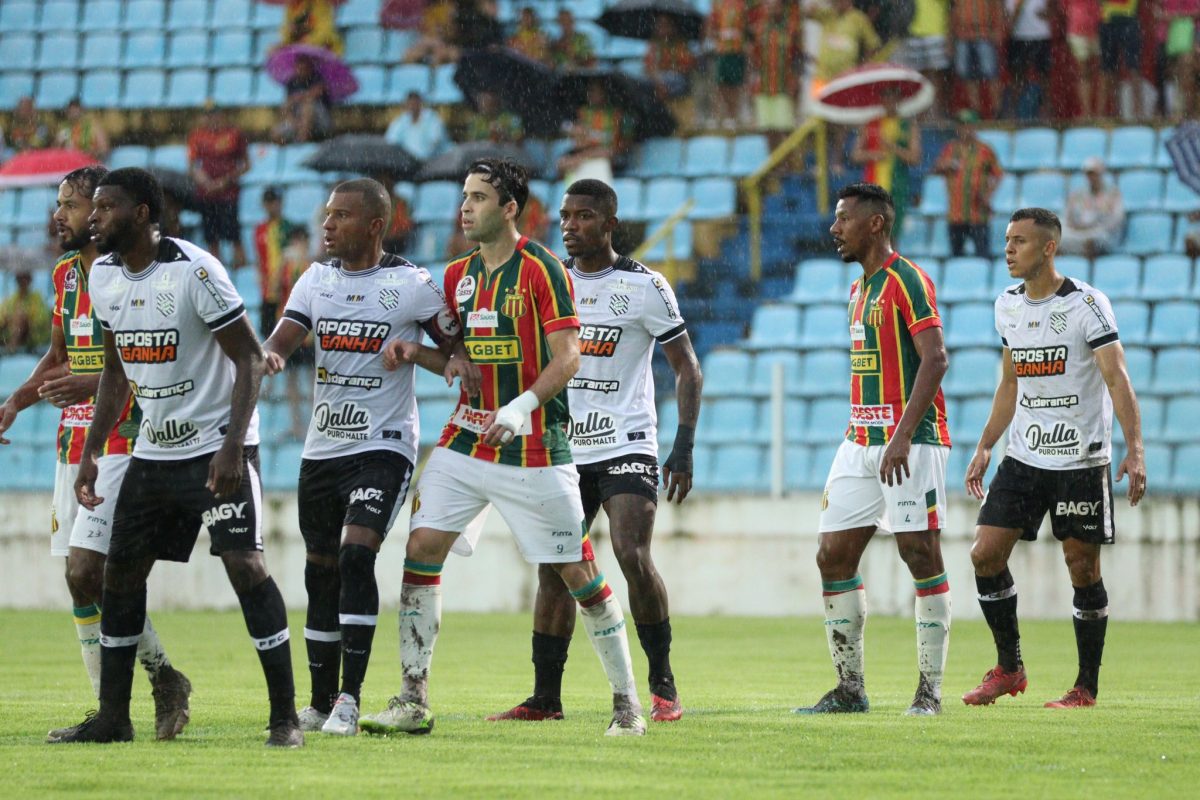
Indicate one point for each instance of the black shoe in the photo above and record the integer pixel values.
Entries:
(839, 700)
(171, 714)
(94, 728)
(286, 733)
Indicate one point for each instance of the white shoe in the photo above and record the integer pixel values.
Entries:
(311, 719)
(343, 719)
(627, 719)
(401, 716)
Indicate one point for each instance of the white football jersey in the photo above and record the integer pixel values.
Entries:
(1063, 416)
(163, 320)
(622, 311)
(357, 404)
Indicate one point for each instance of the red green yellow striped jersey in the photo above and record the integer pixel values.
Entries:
(506, 317)
(85, 355)
(886, 311)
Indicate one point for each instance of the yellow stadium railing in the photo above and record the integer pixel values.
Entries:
(666, 230)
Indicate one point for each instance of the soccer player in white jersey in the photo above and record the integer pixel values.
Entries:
(362, 439)
(177, 336)
(1063, 375)
(624, 308)
(67, 377)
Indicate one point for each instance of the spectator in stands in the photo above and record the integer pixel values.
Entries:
(887, 147)
(26, 128)
(572, 49)
(728, 25)
(218, 157)
(972, 172)
(891, 19)
(476, 25)
(1095, 215)
(778, 60)
(397, 237)
(1120, 54)
(492, 124)
(1029, 55)
(297, 257)
(418, 128)
(534, 222)
(927, 50)
(978, 29)
(306, 114)
(1191, 238)
(529, 39)
(24, 319)
(270, 241)
(601, 135)
(433, 46)
(1083, 37)
(310, 22)
(82, 131)
(1178, 52)
(669, 61)
(847, 40)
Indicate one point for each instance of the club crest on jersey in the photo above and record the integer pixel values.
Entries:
(1058, 322)
(618, 304)
(514, 303)
(874, 315)
(165, 303)
(71, 280)
(389, 298)
(465, 289)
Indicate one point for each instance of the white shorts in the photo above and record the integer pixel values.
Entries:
(540, 504)
(855, 497)
(73, 526)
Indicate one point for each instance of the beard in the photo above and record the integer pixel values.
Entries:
(77, 241)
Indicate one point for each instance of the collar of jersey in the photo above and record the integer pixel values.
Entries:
(387, 262)
(591, 276)
(1062, 291)
(138, 276)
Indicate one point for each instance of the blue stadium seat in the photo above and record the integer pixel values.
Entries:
(664, 196)
(359, 12)
(101, 50)
(397, 43)
(774, 326)
(291, 163)
(729, 419)
(14, 86)
(914, 238)
(264, 163)
(18, 15)
(14, 369)
(1175, 323)
(144, 49)
(55, 89)
(825, 326)
(705, 155)
(1044, 189)
(170, 156)
(408, 78)
(55, 13)
(1162, 159)
(1180, 417)
(820, 280)
(187, 88)
(713, 198)
(101, 15)
(372, 85)
(1131, 147)
(1133, 321)
(364, 45)
(20, 51)
(934, 199)
(658, 158)
(190, 14)
(444, 90)
(1035, 148)
(739, 468)
(1149, 233)
(250, 210)
(10, 199)
(965, 278)
(1004, 199)
(429, 241)
(101, 88)
(764, 369)
(267, 92)
(1139, 363)
(668, 422)
(1163, 277)
(748, 154)
(676, 245)
(827, 420)
(971, 325)
(301, 201)
(1186, 475)
(1079, 144)
(617, 48)
(1076, 267)
(973, 371)
(143, 14)
(57, 51)
(1178, 197)
(188, 49)
(233, 86)
(232, 13)
(825, 373)
(1141, 189)
(281, 466)
(970, 416)
(1000, 141)
(1158, 462)
(727, 372)
(265, 16)
(35, 206)
(432, 416)
(129, 155)
(702, 466)
(231, 48)
(1153, 410)
(1118, 276)
(629, 198)
(437, 201)
(797, 467)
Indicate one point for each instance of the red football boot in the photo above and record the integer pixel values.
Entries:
(1078, 697)
(997, 682)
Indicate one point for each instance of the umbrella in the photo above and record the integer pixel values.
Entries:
(366, 155)
(634, 96)
(339, 79)
(856, 96)
(453, 164)
(42, 167)
(1184, 149)
(636, 18)
(401, 14)
(520, 82)
(178, 185)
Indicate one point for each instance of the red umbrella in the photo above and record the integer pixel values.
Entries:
(856, 96)
(339, 79)
(42, 167)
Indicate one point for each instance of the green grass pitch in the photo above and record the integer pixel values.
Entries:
(738, 678)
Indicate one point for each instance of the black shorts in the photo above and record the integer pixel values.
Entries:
(163, 504)
(1120, 44)
(1080, 501)
(632, 474)
(365, 489)
(220, 220)
(1026, 54)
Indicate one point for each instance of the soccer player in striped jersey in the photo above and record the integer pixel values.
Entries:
(67, 377)
(1064, 361)
(890, 470)
(508, 446)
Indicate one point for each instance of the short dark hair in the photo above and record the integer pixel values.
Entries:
(374, 194)
(507, 177)
(601, 192)
(271, 193)
(139, 184)
(876, 197)
(85, 179)
(1043, 218)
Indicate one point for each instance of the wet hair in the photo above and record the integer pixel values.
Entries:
(85, 179)
(603, 195)
(877, 199)
(140, 185)
(507, 177)
(1043, 218)
(375, 196)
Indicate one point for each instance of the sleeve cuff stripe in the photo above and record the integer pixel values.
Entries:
(1103, 340)
(298, 318)
(222, 321)
(674, 333)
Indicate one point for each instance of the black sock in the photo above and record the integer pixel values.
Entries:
(549, 660)
(358, 607)
(266, 620)
(656, 641)
(1091, 623)
(998, 599)
(123, 616)
(322, 636)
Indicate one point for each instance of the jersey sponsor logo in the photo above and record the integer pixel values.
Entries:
(494, 349)
(618, 304)
(352, 336)
(1091, 303)
(365, 495)
(447, 323)
(389, 299)
(636, 436)
(223, 512)
(147, 346)
(1069, 508)
(81, 326)
(161, 392)
(210, 287)
(587, 301)
(1065, 401)
(1058, 322)
(1060, 440)
(355, 298)
(661, 286)
(1033, 324)
(368, 382)
(599, 341)
(1040, 362)
(475, 419)
(71, 280)
(590, 385)
(594, 430)
(351, 421)
(864, 362)
(173, 433)
(483, 318)
(78, 416)
(872, 416)
(465, 289)
(632, 468)
(514, 303)
(86, 360)
(165, 303)
(137, 303)
(858, 332)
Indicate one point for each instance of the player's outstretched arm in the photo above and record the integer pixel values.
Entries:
(240, 345)
(1111, 361)
(50, 366)
(931, 348)
(564, 363)
(677, 469)
(1004, 405)
(283, 341)
(111, 397)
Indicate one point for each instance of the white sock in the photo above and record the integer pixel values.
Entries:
(87, 628)
(845, 619)
(420, 620)
(150, 651)
(933, 631)
(605, 624)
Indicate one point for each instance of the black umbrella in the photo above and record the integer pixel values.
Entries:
(633, 96)
(453, 164)
(636, 18)
(520, 83)
(179, 185)
(366, 155)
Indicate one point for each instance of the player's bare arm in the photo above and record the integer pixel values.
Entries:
(1004, 405)
(111, 396)
(931, 347)
(283, 341)
(502, 424)
(677, 469)
(52, 365)
(238, 342)
(1111, 361)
